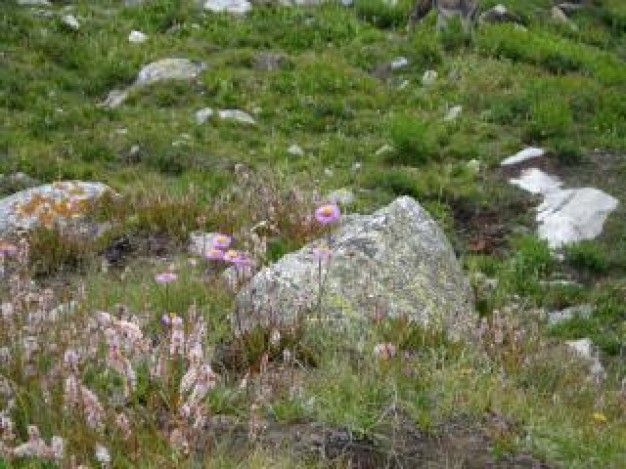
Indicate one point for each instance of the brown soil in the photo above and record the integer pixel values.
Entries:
(398, 443)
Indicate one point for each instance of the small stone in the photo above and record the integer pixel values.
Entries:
(429, 78)
(115, 98)
(399, 63)
(526, 154)
(236, 115)
(384, 150)
(203, 115)
(567, 314)
(453, 113)
(34, 3)
(137, 37)
(583, 347)
(235, 7)
(341, 196)
(295, 150)
(71, 22)
(473, 166)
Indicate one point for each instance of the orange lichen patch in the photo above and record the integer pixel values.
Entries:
(48, 209)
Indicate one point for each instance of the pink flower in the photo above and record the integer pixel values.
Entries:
(214, 254)
(222, 241)
(385, 351)
(231, 255)
(7, 250)
(166, 277)
(327, 214)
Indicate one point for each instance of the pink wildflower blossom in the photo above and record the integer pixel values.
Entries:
(166, 277)
(222, 241)
(327, 214)
(215, 254)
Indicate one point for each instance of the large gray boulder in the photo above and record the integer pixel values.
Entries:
(393, 262)
(63, 205)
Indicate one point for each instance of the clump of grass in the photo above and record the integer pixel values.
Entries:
(587, 256)
(414, 141)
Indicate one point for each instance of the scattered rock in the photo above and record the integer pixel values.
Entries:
(499, 14)
(571, 215)
(169, 69)
(526, 154)
(236, 115)
(161, 70)
(204, 115)
(473, 166)
(567, 314)
(200, 243)
(64, 205)
(535, 181)
(406, 268)
(570, 8)
(399, 63)
(341, 196)
(71, 22)
(269, 62)
(583, 347)
(453, 113)
(586, 350)
(34, 3)
(115, 98)
(295, 150)
(384, 150)
(235, 7)
(429, 78)
(566, 215)
(137, 37)
(559, 16)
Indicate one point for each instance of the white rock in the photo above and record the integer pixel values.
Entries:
(200, 243)
(341, 196)
(500, 9)
(237, 115)
(583, 347)
(399, 63)
(169, 69)
(34, 3)
(567, 314)
(573, 215)
(566, 216)
(384, 150)
(137, 37)
(295, 150)
(115, 98)
(473, 166)
(235, 7)
(453, 113)
(204, 115)
(71, 21)
(523, 155)
(536, 181)
(429, 78)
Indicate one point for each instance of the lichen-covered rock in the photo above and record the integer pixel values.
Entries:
(58, 205)
(395, 262)
(162, 70)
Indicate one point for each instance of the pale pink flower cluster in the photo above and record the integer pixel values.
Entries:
(81, 399)
(34, 447)
(385, 351)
